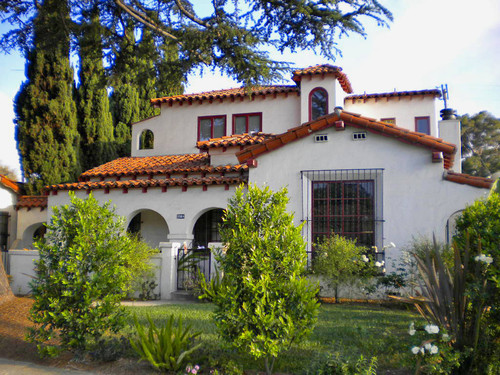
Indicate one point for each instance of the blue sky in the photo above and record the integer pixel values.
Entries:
(430, 42)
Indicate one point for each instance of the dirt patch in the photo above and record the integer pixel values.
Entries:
(14, 322)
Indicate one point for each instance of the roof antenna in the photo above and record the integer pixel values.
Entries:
(447, 113)
(444, 94)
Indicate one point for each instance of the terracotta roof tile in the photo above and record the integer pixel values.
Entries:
(235, 140)
(7, 182)
(232, 93)
(325, 69)
(466, 179)
(358, 121)
(147, 165)
(134, 184)
(31, 201)
(435, 93)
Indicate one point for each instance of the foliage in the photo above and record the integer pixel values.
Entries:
(210, 289)
(340, 260)
(107, 349)
(480, 144)
(226, 35)
(85, 268)
(334, 364)
(8, 172)
(167, 347)
(46, 121)
(264, 304)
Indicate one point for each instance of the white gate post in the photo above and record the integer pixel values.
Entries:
(168, 273)
(213, 262)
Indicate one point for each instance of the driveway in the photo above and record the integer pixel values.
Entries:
(10, 367)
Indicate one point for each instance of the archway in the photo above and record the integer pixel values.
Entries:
(150, 226)
(206, 229)
(33, 233)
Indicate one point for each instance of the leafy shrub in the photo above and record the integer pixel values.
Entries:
(108, 349)
(85, 268)
(264, 303)
(334, 364)
(167, 347)
(340, 260)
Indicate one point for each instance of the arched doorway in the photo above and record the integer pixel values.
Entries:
(206, 229)
(150, 226)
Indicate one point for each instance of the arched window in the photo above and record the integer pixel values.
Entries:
(146, 140)
(206, 229)
(318, 103)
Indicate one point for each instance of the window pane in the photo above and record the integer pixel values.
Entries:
(318, 104)
(254, 123)
(320, 207)
(423, 125)
(219, 127)
(240, 125)
(205, 129)
(319, 190)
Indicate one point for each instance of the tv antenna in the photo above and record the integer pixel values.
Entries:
(444, 94)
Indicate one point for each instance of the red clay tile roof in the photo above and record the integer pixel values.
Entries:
(7, 182)
(31, 201)
(148, 165)
(134, 184)
(358, 121)
(466, 179)
(435, 93)
(235, 140)
(323, 70)
(233, 93)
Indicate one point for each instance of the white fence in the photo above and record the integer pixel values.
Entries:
(22, 264)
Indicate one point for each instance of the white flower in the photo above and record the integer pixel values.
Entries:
(422, 350)
(364, 258)
(391, 244)
(415, 350)
(483, 258)
(428, 346)
(379, 264)
(431, 328)
(434, 349)
(411, 329)
(445, 337)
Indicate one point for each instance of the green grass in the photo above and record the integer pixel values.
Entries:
(349, 329)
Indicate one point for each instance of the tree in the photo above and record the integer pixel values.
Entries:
(85, 268)
(46, 122)
(228, 35)
(8, 172)
(97, 140)
(480, 144)
(264, 303)
(340, 260)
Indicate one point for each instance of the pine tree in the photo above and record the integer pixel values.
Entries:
(96, 123)
(146, 73)
(46, 122)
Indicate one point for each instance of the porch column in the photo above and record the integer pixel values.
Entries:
(215, 248)
(168, 272)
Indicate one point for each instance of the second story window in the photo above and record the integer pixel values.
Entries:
(211, 127)
(318, 103)
(389, 120)
(247, 123)
(146, 140)
(423, 125)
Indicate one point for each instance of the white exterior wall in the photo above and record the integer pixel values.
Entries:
(416, 200)
(22, 270)
(403, 109)
(28, 221)
(309, 83)
(8, 200)
(176, 128)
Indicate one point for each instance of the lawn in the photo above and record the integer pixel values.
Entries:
(349, 329)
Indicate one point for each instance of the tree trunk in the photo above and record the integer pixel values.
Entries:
(5, 291)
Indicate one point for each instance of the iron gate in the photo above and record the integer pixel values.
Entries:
(190, 263)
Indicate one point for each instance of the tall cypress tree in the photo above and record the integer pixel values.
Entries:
(146, 73)
(96, 123)
(46, 121)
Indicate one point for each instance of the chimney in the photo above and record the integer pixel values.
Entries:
(449, 131)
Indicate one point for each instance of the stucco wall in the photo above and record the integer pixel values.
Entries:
(22, 270)
(8, 200)
(403, 109)
(28, 221)
(416, 200)
(176, 129)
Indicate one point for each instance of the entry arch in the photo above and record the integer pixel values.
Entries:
(206, 227)
(149, 225)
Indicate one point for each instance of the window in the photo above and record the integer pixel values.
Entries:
(247, 123)
(206, 229)
(146, 140)
(389, 120)
(318, 103)
(211, 127)
(423, 125)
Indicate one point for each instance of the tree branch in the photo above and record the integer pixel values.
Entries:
(191, 16)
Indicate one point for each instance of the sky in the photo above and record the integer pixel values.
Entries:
(429, 43)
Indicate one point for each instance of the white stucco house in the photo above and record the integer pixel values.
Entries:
(376, 167)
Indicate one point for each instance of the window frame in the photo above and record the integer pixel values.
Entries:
(389, 120)
(211, 117)
(310, 101)
(247, 116)
(428, 118)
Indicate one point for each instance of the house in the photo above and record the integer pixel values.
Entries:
(384, 176)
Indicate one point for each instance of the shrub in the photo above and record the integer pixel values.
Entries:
(334, 364)
(340, 260)
(264, 303)
(85, 268)
(165, 348)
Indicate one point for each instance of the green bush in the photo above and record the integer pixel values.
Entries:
(167, 347)
(264, 303)
(85, 268)
(334, 364)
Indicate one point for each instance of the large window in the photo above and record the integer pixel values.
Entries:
(318, 103)
(247, 123)
(423, 125)
(211, 127)
(346, 208)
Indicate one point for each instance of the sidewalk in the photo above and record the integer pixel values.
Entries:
(10, 367)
